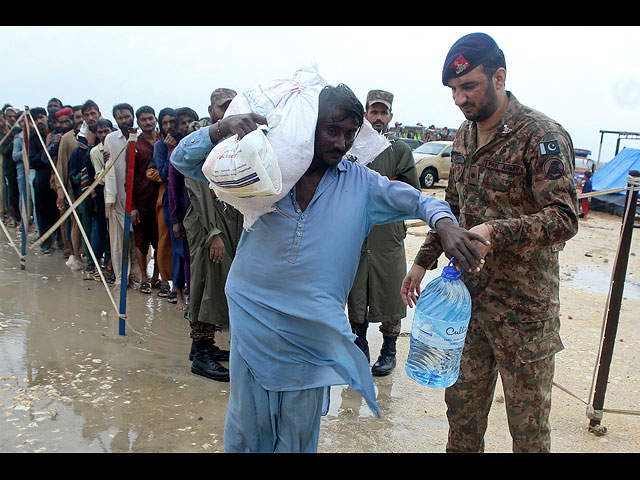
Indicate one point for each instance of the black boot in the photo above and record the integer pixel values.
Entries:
(217, 353)
(361, 338)
(205, 365)
(387, 359)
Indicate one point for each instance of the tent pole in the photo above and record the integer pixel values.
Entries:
(126, 240)
(615, 301)
(599, 149)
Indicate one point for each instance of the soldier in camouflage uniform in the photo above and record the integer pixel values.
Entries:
(213, 231)
(374, 296)
(511, 181)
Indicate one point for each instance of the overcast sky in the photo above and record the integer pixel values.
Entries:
(586, 78)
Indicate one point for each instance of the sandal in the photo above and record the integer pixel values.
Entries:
(173, 297)
(145, 287)
(164, 291)
(157, 284)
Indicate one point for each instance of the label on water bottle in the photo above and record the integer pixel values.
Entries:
(441, 334)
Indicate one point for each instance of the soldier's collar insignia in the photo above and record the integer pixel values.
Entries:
(460, 64)
(505, 129)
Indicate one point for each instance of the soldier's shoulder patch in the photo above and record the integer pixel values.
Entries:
(549, 148)
(553, 168)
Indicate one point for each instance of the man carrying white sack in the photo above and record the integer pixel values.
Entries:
(289, 282)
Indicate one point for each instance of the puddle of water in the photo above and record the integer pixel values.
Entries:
(597, 279)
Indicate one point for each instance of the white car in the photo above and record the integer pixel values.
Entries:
(433, 161)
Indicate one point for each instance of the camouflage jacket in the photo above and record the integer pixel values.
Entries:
(521, 185)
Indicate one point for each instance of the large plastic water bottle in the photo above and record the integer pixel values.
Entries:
(439, 330)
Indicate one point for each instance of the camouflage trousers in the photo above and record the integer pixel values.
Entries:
(523, 354)
(388, 329)
(201, 331)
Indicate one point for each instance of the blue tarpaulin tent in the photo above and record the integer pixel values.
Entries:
(614, 175)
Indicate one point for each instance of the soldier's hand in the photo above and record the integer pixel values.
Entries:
(484, 232)
(461, 244)
(410, 290)
(216, 249)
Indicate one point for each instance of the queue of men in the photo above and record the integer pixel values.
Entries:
(510, 205)
(170, 224)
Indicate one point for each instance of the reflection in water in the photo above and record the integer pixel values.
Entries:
(70, 382)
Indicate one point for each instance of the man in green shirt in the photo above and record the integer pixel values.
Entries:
(375, 295)
(213, 231)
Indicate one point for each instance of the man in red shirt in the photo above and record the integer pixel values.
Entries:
(145, 193)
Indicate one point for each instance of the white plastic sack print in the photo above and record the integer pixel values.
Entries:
(244, 168)
(368, 145)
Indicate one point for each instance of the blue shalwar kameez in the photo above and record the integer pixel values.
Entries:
(287, 290)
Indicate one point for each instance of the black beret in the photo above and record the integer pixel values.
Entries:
(466, 54)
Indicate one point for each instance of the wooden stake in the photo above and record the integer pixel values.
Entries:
(614, 303)
(126, 240)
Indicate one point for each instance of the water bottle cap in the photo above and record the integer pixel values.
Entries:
(450, 272)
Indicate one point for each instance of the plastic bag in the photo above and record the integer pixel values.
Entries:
(244, 168)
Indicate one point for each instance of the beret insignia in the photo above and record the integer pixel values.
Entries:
(460, 64)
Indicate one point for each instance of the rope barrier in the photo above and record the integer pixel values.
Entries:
(76, 204)
(4, 228)
(75, 214)
(6, 232)
(17, 121)
(591, 412)
(601, 192)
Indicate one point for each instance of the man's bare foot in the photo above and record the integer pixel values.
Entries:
(180, 303)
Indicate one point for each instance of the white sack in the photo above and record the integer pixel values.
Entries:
(291, 109)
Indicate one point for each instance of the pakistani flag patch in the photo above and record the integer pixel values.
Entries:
(549, 148)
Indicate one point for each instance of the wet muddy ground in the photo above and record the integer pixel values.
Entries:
(69, 382)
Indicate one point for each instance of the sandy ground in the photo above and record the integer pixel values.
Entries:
(70, 383)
